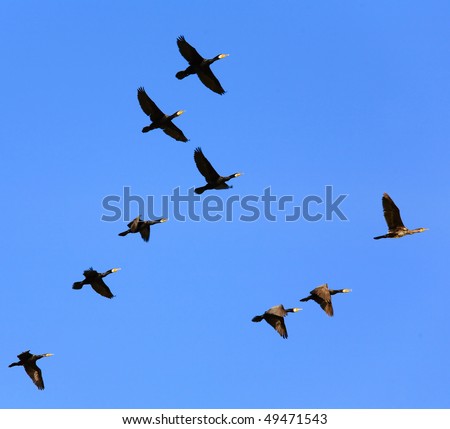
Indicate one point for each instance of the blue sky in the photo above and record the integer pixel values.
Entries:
(353, 95)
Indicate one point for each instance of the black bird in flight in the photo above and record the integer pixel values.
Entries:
(322, 295)
(95, 279)
(28, 361)
(275, 317)
(394, 221)
(213, 179)
(141, 226)
(158, 118)
(199, 66)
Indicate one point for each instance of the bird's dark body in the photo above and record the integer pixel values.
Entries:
(213, 178)
(398, 233)
(275, 317)
(195, 69)
(199, 66)
(322, 296)
(396, 228)
(220, 183)
(95, 279)
(141, 226)
(158, 118)
(28, 361)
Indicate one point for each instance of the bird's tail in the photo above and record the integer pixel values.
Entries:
(77, 285)
(200, 190)
(257, 319)
(123, 234)
(181, 75)
(380, 236)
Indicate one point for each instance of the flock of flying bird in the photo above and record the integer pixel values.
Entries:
(321, 294)
(273, 316)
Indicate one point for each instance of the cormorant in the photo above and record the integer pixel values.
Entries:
(158, 118)
(199, 66)
(215, 181)
(141, 226)
(28, 361)
(95, 279)
(275, 317)
(322, 295)
(394, 221)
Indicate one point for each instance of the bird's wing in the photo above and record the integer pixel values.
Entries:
(173, 131)
(148, 106)
(100, 287)
(210, 81)
(391, 213)
(322, 292)
(277, 310)
(145, 232)
(25, 355)
(35, 374)
(205, 167)
(326, 306)
(189, 53)
(322, 296)
(277, 323)
(133, 225)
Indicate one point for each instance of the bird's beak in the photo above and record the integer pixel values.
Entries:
(223, 55)
(180, 112)
(116, 269)
(297, 309)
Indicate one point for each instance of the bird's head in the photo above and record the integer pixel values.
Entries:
(164, 219)
(346, 290)
(114, 270)
(180, 112)
(296, 309)
(47, 354)
(237, 174)
(423, 229)
(223, 56)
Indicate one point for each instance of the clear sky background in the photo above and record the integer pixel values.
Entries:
(353, 94)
